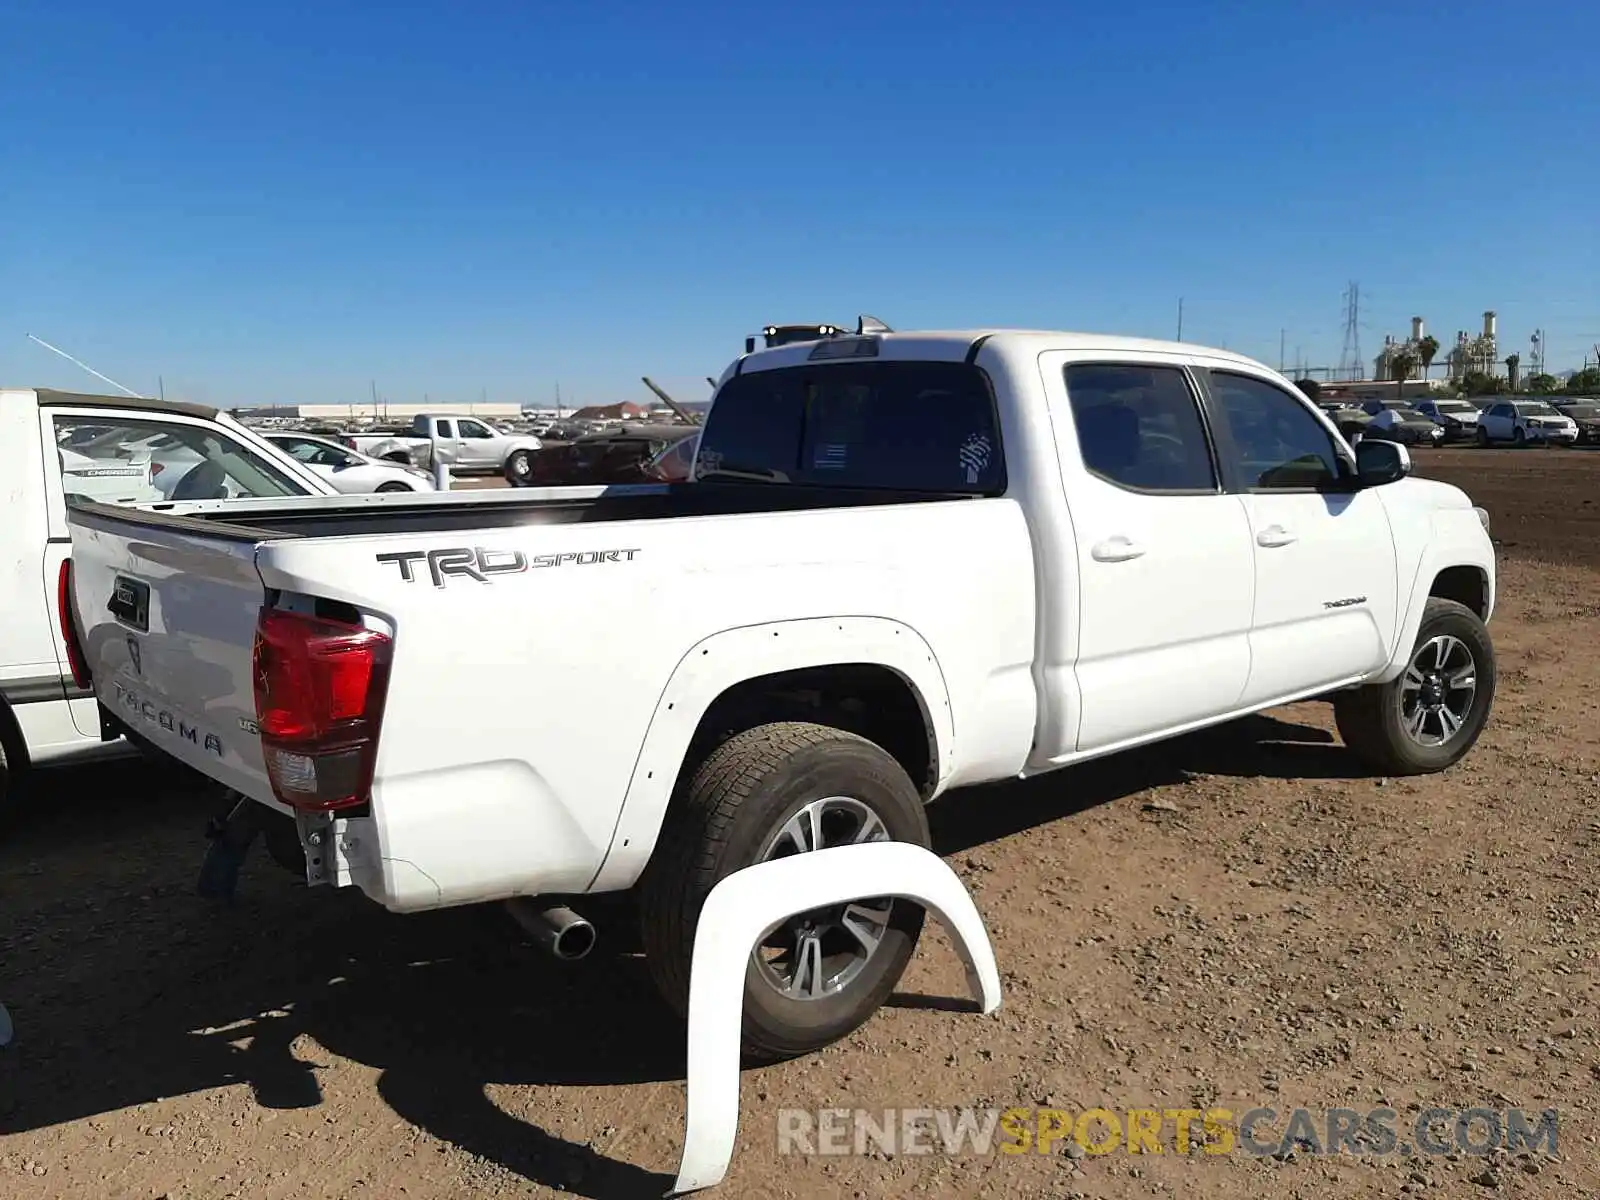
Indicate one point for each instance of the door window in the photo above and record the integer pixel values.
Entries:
(1139, 427)
(471, 429)
(135, 460)
(313, 453)
(1276, 443)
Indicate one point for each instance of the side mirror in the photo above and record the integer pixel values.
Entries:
(1380, 462)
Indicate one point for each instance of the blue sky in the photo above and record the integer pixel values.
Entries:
(281, 202)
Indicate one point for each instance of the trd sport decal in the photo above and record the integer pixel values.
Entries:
(482, 564)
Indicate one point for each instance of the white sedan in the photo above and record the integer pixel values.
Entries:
(350, 470)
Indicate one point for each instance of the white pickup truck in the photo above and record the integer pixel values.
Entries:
(465, 444)
(908, 562)
(115, 450)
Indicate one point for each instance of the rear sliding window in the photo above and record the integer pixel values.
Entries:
(907, 426)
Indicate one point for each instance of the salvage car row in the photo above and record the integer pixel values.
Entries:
(1517, 421)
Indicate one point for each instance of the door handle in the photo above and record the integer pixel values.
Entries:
(1116, 549)
(1275, 535)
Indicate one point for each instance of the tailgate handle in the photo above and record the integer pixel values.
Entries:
(130, 603)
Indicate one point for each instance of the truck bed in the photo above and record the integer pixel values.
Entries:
(433, 512)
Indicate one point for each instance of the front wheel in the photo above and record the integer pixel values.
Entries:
(1518, 437)
(393, 487)
(1482, 436)
(1428, 718)
(519, 468)
(781, 789)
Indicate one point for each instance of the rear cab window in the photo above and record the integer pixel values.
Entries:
(899, 426)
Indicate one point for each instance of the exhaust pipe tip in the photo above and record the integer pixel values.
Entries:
(575, 941)
(565, 934)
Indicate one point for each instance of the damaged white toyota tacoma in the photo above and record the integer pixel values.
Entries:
(908, 562)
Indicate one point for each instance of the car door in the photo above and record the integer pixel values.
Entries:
(121, 438)
(1163, 559)
(446, 442)
(1326, 591)
(478, 445)
(1498, 420)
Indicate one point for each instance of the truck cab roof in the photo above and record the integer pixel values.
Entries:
(962, 344)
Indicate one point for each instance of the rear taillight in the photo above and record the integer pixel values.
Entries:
(320, 687)
(76, 662)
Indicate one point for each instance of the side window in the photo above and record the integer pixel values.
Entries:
(1276, 442)
(1139, 427)
(137, 461)
(471, 429)
(446, 430)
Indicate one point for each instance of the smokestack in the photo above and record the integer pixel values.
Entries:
(1488, 324)
(1417, 329)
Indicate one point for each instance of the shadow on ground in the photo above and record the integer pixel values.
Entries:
(126, 987)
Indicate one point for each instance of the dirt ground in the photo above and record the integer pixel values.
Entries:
(1237, 919)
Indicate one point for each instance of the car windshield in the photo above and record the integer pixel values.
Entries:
(1584, 412)
(1536, 408)
(1454, 406)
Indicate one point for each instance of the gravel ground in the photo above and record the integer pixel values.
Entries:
(1237, 919)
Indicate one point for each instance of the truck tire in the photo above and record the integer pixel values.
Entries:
(6, 781)
(519, 468)
(763, 794)
(1429, 717)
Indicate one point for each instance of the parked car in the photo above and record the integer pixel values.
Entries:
(465, 443)
(620, 455)
(1522, 422)
(1585, 414)
(1458, 418)
(56, 445)
(349, 470)
(859, 603)
(674, 463)
(1393, 421)
(1351, 420)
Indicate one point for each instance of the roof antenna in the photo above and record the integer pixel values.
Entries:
(866, 324)
(85, 366)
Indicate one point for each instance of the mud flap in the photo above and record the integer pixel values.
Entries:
(231, 837)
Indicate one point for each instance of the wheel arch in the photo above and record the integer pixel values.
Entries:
(11, 740)
(1451, 572)
(744, 677)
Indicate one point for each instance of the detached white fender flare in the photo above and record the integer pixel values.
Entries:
(715, 664)
(1452, 544)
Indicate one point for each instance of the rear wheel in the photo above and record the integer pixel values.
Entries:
(1430, 716)
(781, 789)
(7, 782)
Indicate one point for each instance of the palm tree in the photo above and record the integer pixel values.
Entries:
(1426, 349)
(1401, 364)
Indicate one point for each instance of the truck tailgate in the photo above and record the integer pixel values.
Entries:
(167, 620)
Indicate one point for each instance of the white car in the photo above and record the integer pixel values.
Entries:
(1458, 418)
(57, 448)
(1524, 421)
(908, 562)
(350, 471)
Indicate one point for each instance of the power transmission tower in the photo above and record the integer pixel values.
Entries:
(1351, 364)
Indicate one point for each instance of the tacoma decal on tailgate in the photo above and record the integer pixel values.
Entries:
(132, 704)
(482, 564)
